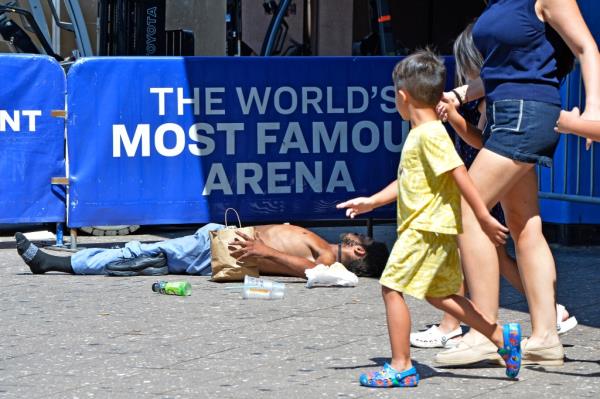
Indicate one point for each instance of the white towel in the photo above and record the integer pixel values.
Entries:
(335, 274)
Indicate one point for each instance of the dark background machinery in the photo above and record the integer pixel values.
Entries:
(234, 27)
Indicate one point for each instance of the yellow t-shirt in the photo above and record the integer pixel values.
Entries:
(428, 198)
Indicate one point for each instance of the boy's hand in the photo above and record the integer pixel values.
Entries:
(567, 119)
(356, 206)
(493, 229)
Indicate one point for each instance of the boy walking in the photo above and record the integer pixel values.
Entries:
(424, 262)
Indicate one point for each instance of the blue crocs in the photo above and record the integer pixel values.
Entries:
(389, 378)
(511, 351)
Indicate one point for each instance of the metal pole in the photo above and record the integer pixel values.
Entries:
(56, 28)
(38, 14)
(567, 197)
(81, 34)
(60, 227)
(384, 19)
(73, 238)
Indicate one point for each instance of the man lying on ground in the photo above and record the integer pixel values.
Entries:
(279, 249)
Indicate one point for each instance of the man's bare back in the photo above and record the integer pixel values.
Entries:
(284, 249)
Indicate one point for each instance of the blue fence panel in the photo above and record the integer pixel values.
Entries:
(178, 140)
(590, 9)
(31, 140)
(570, 190)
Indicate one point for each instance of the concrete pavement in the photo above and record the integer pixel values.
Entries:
(65, 336)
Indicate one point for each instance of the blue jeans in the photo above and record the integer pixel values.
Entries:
(189, 254)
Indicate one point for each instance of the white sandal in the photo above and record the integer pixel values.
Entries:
(566, 325)
(433, 338)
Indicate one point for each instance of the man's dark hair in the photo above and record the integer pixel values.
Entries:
(373, 263)
(423, 75)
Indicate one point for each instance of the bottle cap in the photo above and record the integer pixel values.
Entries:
(155, 286)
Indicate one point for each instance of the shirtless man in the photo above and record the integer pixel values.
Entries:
(279, 249)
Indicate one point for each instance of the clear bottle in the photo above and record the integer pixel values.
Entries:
(262, 293)
(181, 288)
(250, 281)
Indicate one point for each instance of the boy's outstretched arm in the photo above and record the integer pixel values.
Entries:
(571, 122)
(356, 206)
(494, 229)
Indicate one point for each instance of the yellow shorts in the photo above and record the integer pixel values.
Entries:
(423, 264)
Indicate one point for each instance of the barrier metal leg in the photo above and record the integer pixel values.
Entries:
(74, 239)
(59, 234)
(370, 227)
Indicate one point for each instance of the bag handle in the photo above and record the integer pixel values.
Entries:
(236, 214)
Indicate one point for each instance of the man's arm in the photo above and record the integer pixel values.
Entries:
(492, 228)
(273, 261)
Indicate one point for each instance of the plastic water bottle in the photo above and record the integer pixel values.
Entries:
(181, 288)
(250, 281)
(261, 293)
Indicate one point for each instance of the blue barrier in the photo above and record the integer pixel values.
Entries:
(174, 140)
(178, 140)
(570, 190)
(31, 140)
(590, 9)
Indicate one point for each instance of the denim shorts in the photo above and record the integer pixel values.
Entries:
(522, 130)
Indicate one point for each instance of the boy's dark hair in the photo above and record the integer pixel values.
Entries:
(423, 75)
(373, 263)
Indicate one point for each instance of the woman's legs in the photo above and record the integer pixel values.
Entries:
(493, 176)
(465, 310)
(510, 271)
(536, 264)
(507, 338)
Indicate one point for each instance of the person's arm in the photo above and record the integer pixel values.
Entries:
(469, 133)
(492, 228)
(474, 90)
(356, 206)
(564, 16)
(571, 122)
(271, 259)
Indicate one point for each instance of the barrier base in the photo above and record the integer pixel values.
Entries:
(572, 234)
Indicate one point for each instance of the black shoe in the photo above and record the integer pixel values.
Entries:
(139, 266)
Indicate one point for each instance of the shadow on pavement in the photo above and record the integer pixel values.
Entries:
(425, 371)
